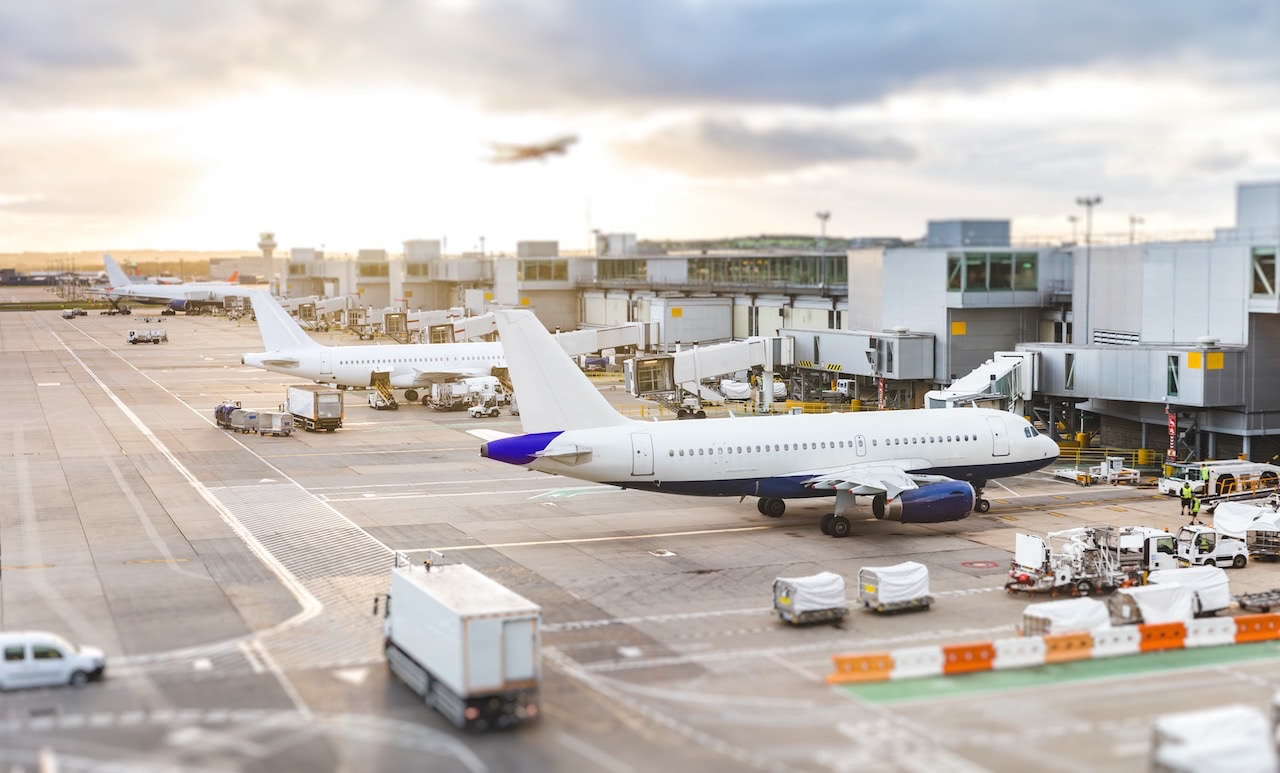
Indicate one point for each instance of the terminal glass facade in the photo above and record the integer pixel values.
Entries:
(977, 271)
(789, 271)
(373, 269)
(543, 270)
(629, 269)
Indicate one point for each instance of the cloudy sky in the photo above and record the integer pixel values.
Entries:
(363, 123)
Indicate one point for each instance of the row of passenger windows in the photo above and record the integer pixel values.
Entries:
(395, 360)
(820, 445)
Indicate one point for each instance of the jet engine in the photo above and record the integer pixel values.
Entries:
(178, 304)
(931, 503)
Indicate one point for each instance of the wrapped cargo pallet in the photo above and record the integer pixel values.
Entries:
(1065, 616)
(814, 599)
(889, 588)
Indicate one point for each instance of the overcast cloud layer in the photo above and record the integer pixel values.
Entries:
(708, 90)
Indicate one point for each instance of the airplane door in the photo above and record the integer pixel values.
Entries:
(641, 454)
(860, 445)
(326, 362)
(999, 438)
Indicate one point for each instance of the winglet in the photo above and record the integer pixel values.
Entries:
(554, 395)
(279, 330)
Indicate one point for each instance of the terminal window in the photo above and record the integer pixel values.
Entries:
(1264, 271)
(1172, 380)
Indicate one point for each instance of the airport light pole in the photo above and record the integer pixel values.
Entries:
(1074, 220)
(1088, 202)
(1134, 222)
(823, 217)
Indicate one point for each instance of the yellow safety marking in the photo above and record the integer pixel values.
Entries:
(158, 561)
(1115, 509)
(959, 328)
(26, 566)
(1059, 496)
(1057, 515)
(1193, 360)
(677, 311)
(1008, 517)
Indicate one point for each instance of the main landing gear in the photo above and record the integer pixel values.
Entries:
(771, 506)
(980, 505)
(411, 395)
(835, 525)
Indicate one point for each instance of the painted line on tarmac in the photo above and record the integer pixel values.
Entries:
(363, 497)
(1123, 668)
(597, 757)
(618, 538)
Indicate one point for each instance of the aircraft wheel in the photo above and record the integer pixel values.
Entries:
(411, 395)
(840, 526)
(825, 523)
(773, 507)
(982, 505)
(760, 505)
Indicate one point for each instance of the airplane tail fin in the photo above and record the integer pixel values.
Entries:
(115, 275)
(279, 330)
(235, 277)
(554, 395)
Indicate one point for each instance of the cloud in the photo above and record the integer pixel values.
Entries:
(720, 148)
(579, 54)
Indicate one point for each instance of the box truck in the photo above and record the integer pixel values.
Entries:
(315, 407)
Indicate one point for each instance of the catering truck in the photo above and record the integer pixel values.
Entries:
(315, 407)
(467, 644)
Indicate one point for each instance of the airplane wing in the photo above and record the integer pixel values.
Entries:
(429, 377)
(489, 434)
(888, 478)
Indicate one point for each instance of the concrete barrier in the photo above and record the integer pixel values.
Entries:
(917, 661)
(1117, 641)
(865, 667)
(1210, 632)
(1162, 636)
(1018, 653)
(1065, 647)
(967, 658)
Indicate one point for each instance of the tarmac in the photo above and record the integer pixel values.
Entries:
(231, 577)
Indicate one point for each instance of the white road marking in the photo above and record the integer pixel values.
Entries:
(795, 668)
(595, 756)
(618, 538)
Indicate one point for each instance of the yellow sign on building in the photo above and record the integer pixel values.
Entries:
(958, 328)
(676, 311)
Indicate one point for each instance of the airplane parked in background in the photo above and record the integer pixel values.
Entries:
(411, 367)
(917, 466)
(505, 153)
(176, 296)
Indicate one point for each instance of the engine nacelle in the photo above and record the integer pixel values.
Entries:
(931, 503)
(178, 304)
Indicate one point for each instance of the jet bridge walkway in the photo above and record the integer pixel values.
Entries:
(1006, 382)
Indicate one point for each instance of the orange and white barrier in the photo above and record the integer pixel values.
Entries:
(975, 657)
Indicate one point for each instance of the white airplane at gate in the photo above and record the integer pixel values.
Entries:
(411, 366)
(917, 466)
(178, 297)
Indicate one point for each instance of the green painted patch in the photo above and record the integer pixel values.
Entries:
(1078, 671)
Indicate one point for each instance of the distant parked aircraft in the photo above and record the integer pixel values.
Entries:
(179, 297)
(505, 153)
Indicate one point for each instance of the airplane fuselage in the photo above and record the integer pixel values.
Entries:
(773, 456)
(410, 365)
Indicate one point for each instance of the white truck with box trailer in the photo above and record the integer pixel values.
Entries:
(467, 644)
(314, 407)
(1226, 477)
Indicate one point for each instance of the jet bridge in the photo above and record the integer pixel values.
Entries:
(1006, 382)
(668, 377)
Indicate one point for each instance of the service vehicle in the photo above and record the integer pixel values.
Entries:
(1263, 538)
(1064, 616)
(1236, 519)
(465, 643)
(222, 413)
(381, 402)
(817, 598)
(1204, 546)
(1226, 476)
(896, 587)
(148, 336)
(68, 313)
(315, 407)
(1087, 559)
(488, 407)
(43, 659)
(460, 395)
(1210, 589)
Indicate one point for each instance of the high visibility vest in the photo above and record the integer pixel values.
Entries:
(1195, 506)
(1204, 474)
(1186, 491)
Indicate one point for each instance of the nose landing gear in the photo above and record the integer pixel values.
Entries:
(771, 506)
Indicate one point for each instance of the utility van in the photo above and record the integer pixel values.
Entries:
(40, 659)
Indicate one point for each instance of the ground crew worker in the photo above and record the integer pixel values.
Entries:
(1186, 493)
(1204, 476)
(1195, 511)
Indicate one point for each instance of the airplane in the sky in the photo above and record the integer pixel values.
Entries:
(178, 297)
(505, 153)
(411, 367)
(916, 466)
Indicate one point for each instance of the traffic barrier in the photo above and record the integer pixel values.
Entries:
(967, 658)
(1210, 632)
(1116, 641)
(1264, 627)
(917, 661)
(865, 667)
(1018, 653)
(1162, 636)
(1064, 647)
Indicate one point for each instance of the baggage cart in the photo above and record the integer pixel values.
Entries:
(893, 588)
(274, 423)
(222, 413)
(244, 420)
(817, 598)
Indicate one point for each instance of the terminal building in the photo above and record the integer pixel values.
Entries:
(1127, 341)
